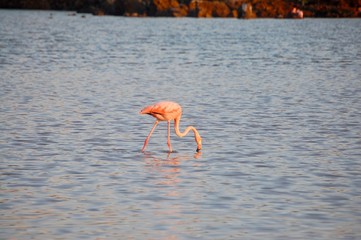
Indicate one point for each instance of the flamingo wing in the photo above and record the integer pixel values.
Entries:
(163, 111)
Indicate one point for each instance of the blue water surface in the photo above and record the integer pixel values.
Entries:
(277, 103)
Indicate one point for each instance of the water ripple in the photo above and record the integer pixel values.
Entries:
(276, 102)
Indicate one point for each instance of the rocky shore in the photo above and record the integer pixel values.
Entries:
(198, 8)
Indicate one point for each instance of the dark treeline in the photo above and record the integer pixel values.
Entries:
(195, 8)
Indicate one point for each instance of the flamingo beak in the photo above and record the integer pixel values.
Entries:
(199, 144)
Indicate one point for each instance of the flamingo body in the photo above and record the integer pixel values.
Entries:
(163, 111)
(167, 111)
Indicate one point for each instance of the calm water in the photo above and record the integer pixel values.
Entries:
(277, 103)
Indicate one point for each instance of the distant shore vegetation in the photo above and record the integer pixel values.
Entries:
(198, 8)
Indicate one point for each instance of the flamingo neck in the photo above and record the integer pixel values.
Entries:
(182, 134)
(197, 138)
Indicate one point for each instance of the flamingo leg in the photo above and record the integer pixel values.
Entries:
(147, 139)
(168, 140)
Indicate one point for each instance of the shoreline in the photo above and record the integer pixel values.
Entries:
(197, 8)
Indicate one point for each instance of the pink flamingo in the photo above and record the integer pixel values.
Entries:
(167, 111)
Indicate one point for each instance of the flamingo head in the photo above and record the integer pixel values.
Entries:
(199, 142)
